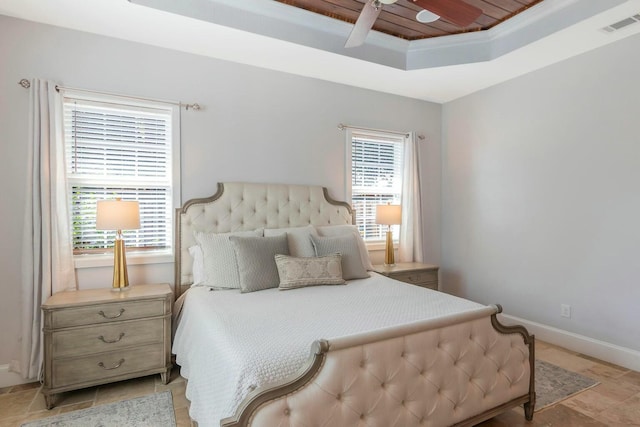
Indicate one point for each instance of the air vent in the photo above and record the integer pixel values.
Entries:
(621, 24)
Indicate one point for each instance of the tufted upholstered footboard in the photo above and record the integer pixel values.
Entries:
(457, 370)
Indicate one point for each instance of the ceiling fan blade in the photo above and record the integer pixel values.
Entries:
(365, 21)
(456, 11)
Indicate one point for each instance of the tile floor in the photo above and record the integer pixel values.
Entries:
(615, 402)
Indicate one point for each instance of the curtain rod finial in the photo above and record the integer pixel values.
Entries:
(25, 83)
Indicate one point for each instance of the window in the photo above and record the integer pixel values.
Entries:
(118, 148)
(375, 177)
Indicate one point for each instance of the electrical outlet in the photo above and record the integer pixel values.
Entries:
(565, 310)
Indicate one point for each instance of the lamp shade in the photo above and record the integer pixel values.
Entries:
(388, 214)
(117, 215)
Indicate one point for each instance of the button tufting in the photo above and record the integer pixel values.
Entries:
(362, 363)
(402, 403)
(339, 396)
(362, 416)
(422, 372)
(287, 411)
(402, 354)
(383, 385)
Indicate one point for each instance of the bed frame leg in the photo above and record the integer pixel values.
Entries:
(528, 411)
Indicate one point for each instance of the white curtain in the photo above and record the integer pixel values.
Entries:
(47, 253)
(410, 249)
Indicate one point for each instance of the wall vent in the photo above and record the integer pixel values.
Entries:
(621, 24)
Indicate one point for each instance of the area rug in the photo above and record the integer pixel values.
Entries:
(146, 411)
(554, 384)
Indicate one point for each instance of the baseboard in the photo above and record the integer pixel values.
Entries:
(9, 378)
(602, 350)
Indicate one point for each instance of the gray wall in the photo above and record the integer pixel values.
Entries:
(257, 125)
(541, 195)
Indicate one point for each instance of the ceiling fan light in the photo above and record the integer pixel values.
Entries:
(425, 16)
(387, 1)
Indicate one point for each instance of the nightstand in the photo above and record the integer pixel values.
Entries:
(97, 336)
(416, 273)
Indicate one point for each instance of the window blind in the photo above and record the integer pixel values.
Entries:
(123, 151)
(376, 179)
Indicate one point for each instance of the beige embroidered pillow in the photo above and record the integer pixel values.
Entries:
(313, 271)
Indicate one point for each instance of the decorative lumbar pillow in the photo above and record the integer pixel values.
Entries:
(347, 246)
(300, 272)
(256, 261)
(197, 269)
(220, 266)
(298, 239)
(341, 230)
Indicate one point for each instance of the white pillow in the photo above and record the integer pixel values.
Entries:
(340, 230)
(347, 247)
(298, 238)
(197, 269)
(220, 265)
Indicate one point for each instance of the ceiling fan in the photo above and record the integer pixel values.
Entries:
(455, 11)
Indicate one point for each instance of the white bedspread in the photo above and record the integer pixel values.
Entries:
(228, 343)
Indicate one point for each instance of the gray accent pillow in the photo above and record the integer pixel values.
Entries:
(300, 272)
(219, 259)
(256, 261)
(298, 238)
(341, 230)
(347, 246)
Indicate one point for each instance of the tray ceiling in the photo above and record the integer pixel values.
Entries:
(276, 36)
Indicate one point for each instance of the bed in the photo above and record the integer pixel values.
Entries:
(374, 352)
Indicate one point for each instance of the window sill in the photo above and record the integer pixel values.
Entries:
(379, 245)
(106, 260)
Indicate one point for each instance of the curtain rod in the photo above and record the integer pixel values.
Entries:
(404, 134)
(27, 84)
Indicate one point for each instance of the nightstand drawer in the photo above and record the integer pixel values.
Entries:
(106, 365)
(106, 337)
(104, 313)
(421, 278)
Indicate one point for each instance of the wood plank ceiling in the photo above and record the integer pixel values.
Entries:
(399, 19)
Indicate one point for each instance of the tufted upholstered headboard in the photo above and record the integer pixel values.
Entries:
(238, 206)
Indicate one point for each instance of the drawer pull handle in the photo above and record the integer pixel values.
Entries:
(101, 338)
(101, 313)
(109, 369)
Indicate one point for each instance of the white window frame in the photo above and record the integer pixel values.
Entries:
(395, 137)
(134, 257)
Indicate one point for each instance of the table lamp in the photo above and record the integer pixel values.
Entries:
(118, 215)
(389, 215)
